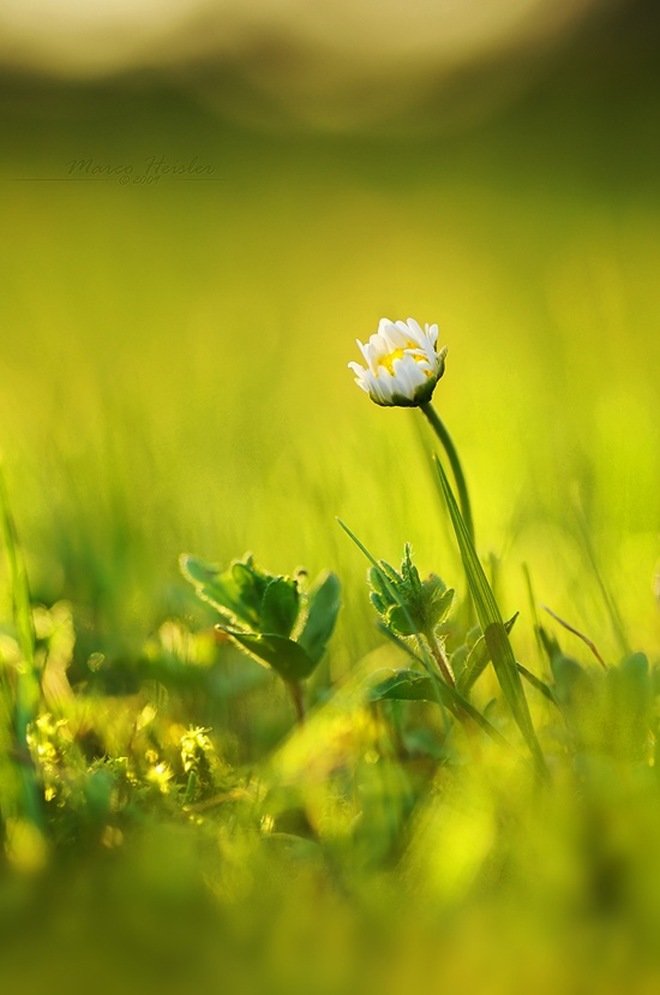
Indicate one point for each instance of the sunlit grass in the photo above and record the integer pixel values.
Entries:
(174, 378)
(208, 331)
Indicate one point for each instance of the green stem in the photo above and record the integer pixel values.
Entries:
(445, 439)
(440, 658)
(296, 692)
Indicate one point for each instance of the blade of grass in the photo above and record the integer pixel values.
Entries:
(492, 624)
(576, 632)
(608, 598)
(478, 659)
(534, 611)
(537, 683)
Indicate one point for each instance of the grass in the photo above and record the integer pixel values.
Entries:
(174, 379)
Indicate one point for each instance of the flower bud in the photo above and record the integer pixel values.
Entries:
(403, 363)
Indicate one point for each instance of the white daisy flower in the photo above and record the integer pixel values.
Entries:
(403, 363)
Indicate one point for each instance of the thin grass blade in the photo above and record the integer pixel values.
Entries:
(492, 624)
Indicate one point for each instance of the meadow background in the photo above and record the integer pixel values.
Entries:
(173, 378)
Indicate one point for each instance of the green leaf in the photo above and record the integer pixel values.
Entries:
(492, 624)
(324, 605)
(636, 669)
(219, 590)
(631, 706)
(244, 593)
(251, 584)
(439, 604)
(289, 659)
(571, 679)
(405, 685)
(279, 606)
(397, 617)
(458, 659)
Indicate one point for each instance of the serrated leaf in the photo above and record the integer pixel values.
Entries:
(377, 582)
(251, 584)
(398, 619)
(389, 572)
(410, 573)
(408, 604)
(285, 656)
(440, 605)
(378, 602)
(324, 605)
(218, 589)
(280, 606)
(389, 588)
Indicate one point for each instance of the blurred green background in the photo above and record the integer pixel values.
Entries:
(174, 354)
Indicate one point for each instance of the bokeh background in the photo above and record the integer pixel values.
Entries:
(205, 203)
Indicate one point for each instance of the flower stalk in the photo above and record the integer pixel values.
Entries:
(403, 365)
(445, 440)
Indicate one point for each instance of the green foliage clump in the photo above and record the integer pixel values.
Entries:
(270, 616)
(408, 605)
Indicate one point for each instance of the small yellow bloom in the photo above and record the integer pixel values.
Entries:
(160, 776)
(403, 363)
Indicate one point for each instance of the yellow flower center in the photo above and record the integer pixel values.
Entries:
(388, 361)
